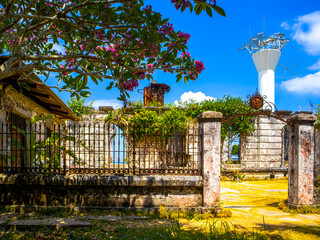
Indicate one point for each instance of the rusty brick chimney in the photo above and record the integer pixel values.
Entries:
(155, 92)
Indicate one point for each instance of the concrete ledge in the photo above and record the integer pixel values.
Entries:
(269, 170)
(75, 209)
(209, 116)
(92, 190)
(302, 117)
(283, 113)
(100, 180)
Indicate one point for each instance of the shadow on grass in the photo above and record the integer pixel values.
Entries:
(215, 229)
(311, 230)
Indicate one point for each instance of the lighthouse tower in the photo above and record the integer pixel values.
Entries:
(265, 52)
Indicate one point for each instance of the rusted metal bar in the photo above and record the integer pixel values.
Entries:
(265, 113)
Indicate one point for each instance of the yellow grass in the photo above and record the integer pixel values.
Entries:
(254, 206)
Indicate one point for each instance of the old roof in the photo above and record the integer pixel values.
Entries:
(40, 93)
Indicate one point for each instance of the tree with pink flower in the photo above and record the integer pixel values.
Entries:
(77, 41)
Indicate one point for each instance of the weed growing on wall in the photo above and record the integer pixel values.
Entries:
(145, 122)
(230, 107)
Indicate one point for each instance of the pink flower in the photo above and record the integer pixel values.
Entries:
(166, 29)
(186, 54)
(193, 76)
(199, 66)
(150, 66)
(184, 35)
(64, 73)
(99, 35)
(148, 7)
(130, 85)
(141, 74)
(179, 5)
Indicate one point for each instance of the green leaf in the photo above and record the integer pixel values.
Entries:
(219, 10)
(78, 78)
(85, 94)
(197, 8)
(94, 79)
(183, 7)
(110, 86)
(191, 8)
(151, 60)
(209, 11)
(179, 77)
(149, 77)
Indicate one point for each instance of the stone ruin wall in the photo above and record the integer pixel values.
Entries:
(110, 151)
(13, 101)
(263, 149)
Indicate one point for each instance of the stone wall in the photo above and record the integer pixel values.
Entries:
(13, 101)
(264, 148)
(100, 191)
(109, 146)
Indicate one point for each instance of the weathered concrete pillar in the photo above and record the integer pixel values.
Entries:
(301, 160)
(210, 127)
(317, 154)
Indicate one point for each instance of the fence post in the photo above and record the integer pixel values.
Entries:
(301, 160)
(64, 149)
(210, 127)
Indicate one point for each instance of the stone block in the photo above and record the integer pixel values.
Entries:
(105, 109)
(209, 116)
(303, 117)
(268, 126)
(265, 119)
(263, 145)
(276, 132)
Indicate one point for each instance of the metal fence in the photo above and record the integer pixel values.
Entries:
(99, 148)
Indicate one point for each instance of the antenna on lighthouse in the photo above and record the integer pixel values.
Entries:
(265, 52)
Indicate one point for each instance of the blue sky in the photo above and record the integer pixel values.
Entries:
(216, 41)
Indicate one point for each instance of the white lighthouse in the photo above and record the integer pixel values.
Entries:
(265, 52)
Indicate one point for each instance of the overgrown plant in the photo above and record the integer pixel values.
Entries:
(229, 107)
(78, 107)
(317, 123)
(47, 153)
(146, 122)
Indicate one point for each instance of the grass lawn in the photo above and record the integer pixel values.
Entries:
(255, 215)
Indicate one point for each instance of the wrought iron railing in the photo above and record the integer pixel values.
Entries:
(99, 148)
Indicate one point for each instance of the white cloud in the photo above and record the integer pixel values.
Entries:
(307, 84)
(307, 32)
(315, 66)
(196, 97)
(285, 25)
(107, 102)
(59, 48)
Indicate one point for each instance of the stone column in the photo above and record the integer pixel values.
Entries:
(317, 154)
(301, 160)
(210, 127)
